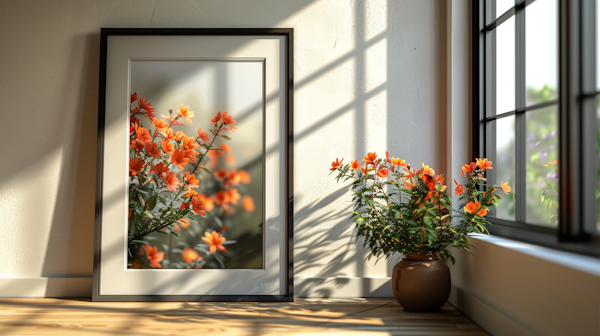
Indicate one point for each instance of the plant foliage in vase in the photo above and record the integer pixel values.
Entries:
(398, 209)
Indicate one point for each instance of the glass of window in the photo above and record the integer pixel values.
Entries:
(541, 36)
(505, 66)
(541, 167)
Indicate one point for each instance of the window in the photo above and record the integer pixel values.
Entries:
(537, 117)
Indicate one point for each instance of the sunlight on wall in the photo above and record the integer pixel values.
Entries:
(27, 208)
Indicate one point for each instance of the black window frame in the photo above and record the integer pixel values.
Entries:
(576, 121)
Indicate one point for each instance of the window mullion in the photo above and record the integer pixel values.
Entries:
(571, 205)
(520, 129)
(587, 69)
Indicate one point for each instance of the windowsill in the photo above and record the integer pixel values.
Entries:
(579, 262)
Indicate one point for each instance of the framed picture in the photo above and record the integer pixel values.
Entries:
(194, 165)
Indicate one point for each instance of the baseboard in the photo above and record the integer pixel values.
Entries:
(317, 287)
(343, 287)
(488, 318)
(43, 287)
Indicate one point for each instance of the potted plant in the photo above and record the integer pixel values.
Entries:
(401, 210)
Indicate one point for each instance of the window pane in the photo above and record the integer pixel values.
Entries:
(541, 30)
(542, 167)
(502, 6)
(505, 66)
(503, 133)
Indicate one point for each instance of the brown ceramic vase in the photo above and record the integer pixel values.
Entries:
(421, 282)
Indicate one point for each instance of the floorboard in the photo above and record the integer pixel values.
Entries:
(301, 317)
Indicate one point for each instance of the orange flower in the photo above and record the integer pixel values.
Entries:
(202, 137)
(364, 171)
(188, 255)
(184, 223)
(244, 176)
(221, 174)
(428, 196)
(336, 164)
(230, 159)
(228, 120)
(189, 142)
(154, 257)
(171, 181)
(158, 169)
(198, 206)
(179, 159)
(191, 154)
(468, 168)
(216, 119)
(408, 173)
(159, 124)
(191, 178)
(370, 158)
(472, 207)
(208, 202)
(551, 164)
(248, 203)
(459, 188)
(215, 240)
(135, 166)
(408, 185)
(179, 136)
(133, 97)
(482, 212)
(185, 113)
(427, 170)
(354, 164)
(505, 188)
(143, 134)
(167, 146)
(169, 134)
(146, 106)
(398, 162)
(152, 150)
(137, 144)
(226, 148)
(222, 197)
(484, 164)
(382, 173)
(387, 156)
(439, 178)
(234, 196)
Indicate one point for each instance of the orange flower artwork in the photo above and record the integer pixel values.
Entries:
(185, 113)
(248, 203)
(154, 256)
(178, 186)
(215, 240)
(188, 255)
(135, 166)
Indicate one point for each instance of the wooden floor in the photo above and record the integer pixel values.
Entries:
(301, 317)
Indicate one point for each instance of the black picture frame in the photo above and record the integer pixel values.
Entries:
(288, 35)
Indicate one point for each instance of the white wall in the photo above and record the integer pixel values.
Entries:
(369, 76)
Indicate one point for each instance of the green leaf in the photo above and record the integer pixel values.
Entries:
(151, 202)
(225, 137)
(206, 170)
(148, 214)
